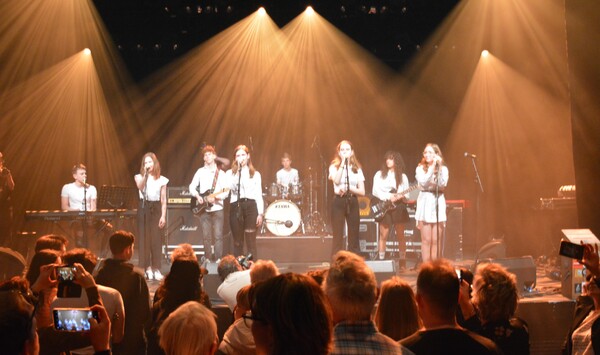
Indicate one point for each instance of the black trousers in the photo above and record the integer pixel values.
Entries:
(345, 209)
(150, 235)
(242, 220)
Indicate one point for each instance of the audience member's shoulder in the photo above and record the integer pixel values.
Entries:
(489, 345)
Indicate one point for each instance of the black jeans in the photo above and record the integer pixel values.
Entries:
(149, 234)
(345, 209)
(242, 220)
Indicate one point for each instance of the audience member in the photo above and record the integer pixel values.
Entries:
(263, 270)
(318, 275)
(181, 285)
(437, 298)
(44, 260)
(491, 312)
(18, 324)
(351, 288)
(184, 250)
(53, 242)
(233, 278)
(189, 330)
(238, 338)
(397, 315)
(584, 335)
(111, 298)
(290, 315)
(118, 273)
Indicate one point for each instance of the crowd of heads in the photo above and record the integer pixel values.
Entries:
(291, 313)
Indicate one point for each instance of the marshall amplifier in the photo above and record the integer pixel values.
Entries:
(178, 197)
(183, 227)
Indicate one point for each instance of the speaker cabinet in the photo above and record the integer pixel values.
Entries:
(524, 269)
(183, 227)
(453, 239)
(383, 269)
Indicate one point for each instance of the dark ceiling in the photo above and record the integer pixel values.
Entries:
(151, 33)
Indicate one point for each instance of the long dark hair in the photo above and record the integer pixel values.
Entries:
(298, 312)
(399, 166)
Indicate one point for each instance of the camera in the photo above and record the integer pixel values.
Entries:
(571, 250)
(73, 319)
(245, 261)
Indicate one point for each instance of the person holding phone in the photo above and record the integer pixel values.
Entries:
(348, 180)
(432, 177)
(584, 335)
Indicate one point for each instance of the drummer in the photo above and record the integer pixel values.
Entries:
(287, 176)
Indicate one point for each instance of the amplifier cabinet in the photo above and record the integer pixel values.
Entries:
(178, 197)
(368, 235)
(182, 227)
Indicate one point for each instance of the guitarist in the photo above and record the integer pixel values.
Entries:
(206, 181)
(389, 179)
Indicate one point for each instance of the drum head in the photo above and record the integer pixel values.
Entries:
(282, 218)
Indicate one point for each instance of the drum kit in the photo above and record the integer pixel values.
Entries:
(284, 214)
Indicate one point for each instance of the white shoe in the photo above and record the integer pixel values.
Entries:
(158, 276)
(149, 274)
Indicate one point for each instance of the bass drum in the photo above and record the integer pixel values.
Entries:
(282, 218)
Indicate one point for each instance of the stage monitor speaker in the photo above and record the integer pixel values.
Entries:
(183, 227)
(524, 269)
(383, 269)
(496, 249)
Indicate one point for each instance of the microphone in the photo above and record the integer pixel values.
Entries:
(85, 184)
(469, 155)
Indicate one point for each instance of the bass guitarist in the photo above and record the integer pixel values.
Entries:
(208, 188)
(389, 179)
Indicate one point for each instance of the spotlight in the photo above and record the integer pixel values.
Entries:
(262, 11)
(484, 53)
(87, 51)
(309, 10)
(156, 46)
(229, 9)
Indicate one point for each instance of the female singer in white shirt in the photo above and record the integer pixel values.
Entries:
(348, 182)
(152, 212)
(432, 176)
(247, 206)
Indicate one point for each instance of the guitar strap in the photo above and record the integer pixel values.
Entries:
(214, 184)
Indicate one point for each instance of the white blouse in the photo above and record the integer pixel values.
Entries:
(250, 187)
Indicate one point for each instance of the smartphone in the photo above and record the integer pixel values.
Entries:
(65, 273)
(73, 319)
(571, 250)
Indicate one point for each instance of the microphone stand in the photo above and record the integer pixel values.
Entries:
(437, 209)
(324, 175)
(85, 217)
(480, 191)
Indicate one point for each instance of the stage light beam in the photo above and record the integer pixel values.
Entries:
(262, 11)
(485, 53)
(87, 52)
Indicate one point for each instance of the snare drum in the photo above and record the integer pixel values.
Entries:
(282, 218)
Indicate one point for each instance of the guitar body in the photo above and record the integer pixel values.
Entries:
(199, 208)
(379, 208)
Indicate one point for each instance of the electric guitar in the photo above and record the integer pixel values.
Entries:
(199, 208)
(379, 208)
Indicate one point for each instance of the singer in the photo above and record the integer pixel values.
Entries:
(247, 205)
(432, 177)
(72, 198)
(152, 213)
(7, 185)
(348, 182)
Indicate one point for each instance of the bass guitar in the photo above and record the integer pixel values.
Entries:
(379, 208)
(199, 208)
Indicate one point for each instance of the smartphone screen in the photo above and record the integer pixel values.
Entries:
(73, 319)
(65, 273)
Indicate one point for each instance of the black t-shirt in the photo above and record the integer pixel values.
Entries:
(449, 341)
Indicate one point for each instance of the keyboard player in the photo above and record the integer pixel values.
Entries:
(72, 196)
